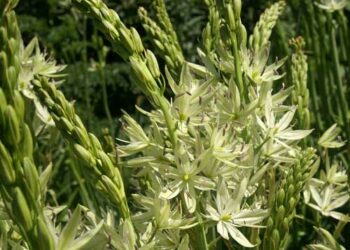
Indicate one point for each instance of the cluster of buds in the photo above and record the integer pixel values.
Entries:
(20, 183)
(300, 94)
(103, 171)
(287, 197)
(262, 30)
(165, 40)
(211, 32)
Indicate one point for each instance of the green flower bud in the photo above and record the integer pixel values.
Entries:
(106, 163)
(231, 17)
(269, 222)
(12, 128)
(65, 124)
(291, 204)
(242, 34)
(45, 239)
(81, 136)
(31, 177)
(3, 105)
(95, 143)
(158, 44)
(280, 196)
(290, 191)
(285, 226)
(137, 41)
(280, 213)
(237, 8)
(7, 172)
(21, 210)
(152, 64)
(111, 187)
(84, 155)
(126, 40)
(275, 238)
(19, 104)
(142, 73)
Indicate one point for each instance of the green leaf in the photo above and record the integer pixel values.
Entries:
(70, 230)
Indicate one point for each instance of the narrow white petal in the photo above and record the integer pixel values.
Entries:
(238, 236)
(222, 230)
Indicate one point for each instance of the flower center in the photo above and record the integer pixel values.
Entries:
(186, 177)
(225, 217)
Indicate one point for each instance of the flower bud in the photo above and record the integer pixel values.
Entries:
(111, 187)
(95, 142)
(280, 196)
(3, 105)
(137, 40)
(290, 191)
(21, 210)
(231, 17)
(84, 155)
(280, 213)
(12, 128)
(285, 225)
(65, 124)
(152, 64)
(291, 204)
(126, 40)
(106, 163)
(237, 4)
(19, 104)
(275, 237)
(81, 136)
(31, 177)
(7, 172)
(45, 239)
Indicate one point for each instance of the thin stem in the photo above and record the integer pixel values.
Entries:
(340, 89)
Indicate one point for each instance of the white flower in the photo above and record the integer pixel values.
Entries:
(327, 200)
(185, 178)
(331, 5)
(33, 63)
(278, 132)
(254, 65)
(229, 215)
(329, 138)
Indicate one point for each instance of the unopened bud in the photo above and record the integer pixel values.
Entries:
(111, 187)
(137, 40)
(7, 172)
(12, 126)
(237, 4)
(19, 104)
(31, 177)
(106, 163)
(280, 196)
(84, 155)
(231, 17)
(45, 239)
(21, 210)
(152, 64)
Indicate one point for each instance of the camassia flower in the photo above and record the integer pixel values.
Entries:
(327, 200)
(254, 65)
(278, 132)
(331, 5)
(229, 215)
(186, 178)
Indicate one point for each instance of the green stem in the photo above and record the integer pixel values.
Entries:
(164, 106)
(105, 98)
(340, 87)
(339, 229)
